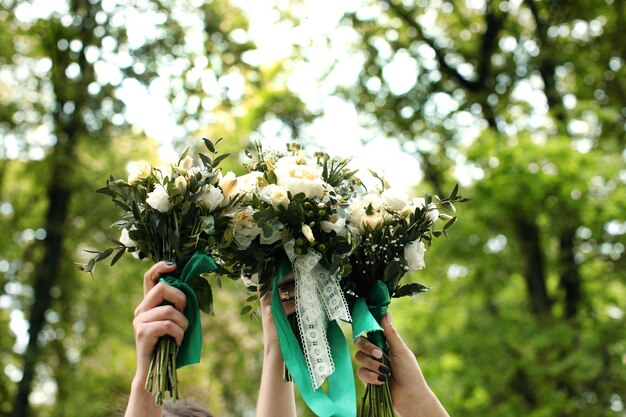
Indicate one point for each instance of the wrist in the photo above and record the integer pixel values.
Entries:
(416, 404)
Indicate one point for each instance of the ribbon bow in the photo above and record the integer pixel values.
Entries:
(191, 347)
(319, 299)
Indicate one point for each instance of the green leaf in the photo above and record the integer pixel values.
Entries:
(105, 254)
(209, 145)
(219, 159)
(117, 256)
(202, 289)
(409, 290)
(245, 310)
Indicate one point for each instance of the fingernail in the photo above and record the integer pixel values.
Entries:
(169, 263)
(382, 378)
(377, 353)
(384, 369)
(388, 318)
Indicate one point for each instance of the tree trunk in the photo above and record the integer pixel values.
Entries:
(46, 274)
(528, 235)
(569, 282)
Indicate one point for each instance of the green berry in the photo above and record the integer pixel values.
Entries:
(298, 251)
(321, 247)
(299, 241)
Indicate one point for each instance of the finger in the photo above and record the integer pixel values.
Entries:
(371, 364)
(391, 334)
(162, 313)
(160, 293)
(368, 347)
(152, 275)
(156, 329)
(369, 377)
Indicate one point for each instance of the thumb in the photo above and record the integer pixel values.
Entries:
(391, 334)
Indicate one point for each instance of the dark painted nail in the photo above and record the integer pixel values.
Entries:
(384, 369)
(169, 263)
(382, 378)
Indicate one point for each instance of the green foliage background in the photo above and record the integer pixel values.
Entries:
(526, 312)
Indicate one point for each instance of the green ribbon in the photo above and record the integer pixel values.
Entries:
(191, 347)
(368, 311)
(341, 398)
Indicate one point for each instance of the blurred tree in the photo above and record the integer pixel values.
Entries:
(522, 101)
(68, 70)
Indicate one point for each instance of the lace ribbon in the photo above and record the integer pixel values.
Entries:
(318, 299)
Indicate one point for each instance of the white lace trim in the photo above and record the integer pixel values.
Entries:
(318, 299)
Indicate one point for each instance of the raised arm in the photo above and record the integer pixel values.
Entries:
(153, 320)
(412, 397)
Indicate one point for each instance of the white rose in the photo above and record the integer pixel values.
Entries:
(308, 233)
(245, 228)
(212, 197)
(129, 243)
(228, 184)
(394, 200)
(370, 221)
(248, 183)
(414, 255)
(432, 214)
(336, 224)
(275, 195)
(181, 185)
(357, 210)
(299, 178)
(139, 171)
(374, 200)
(159, 199)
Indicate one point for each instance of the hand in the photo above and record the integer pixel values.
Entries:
(154, 320)
(409, 391)
(286, 289)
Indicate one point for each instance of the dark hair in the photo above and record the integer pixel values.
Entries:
(184, 410)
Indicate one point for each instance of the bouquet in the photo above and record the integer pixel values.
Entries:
(394, 234)
(293, 217)
(181, 217)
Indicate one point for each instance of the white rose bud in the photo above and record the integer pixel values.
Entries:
(394, 200)
(374, 200)
(248, 183)
(414, 255)
(181, 185)
(308, 233)
(371, 221)
(432, 213)
(275, 195)
(139, 171)
(159, 199)
(299, 177)
(336, 224)
(212, 197)
(129, 243)
(186, 163)
(228, 184)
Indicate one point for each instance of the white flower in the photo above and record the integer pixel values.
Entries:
(228, 184)
(308, 233)
(181, 185)
(139, 171)
(336, 224)
(129, 243)
(414, 255)
(370, 221)
(432, 214)
(300, 178)
(245, 228)
(186, 163)
(159, 199)
(212, 197)
(374, 200)
(248, 183)
(394, 200)
(275, 195)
